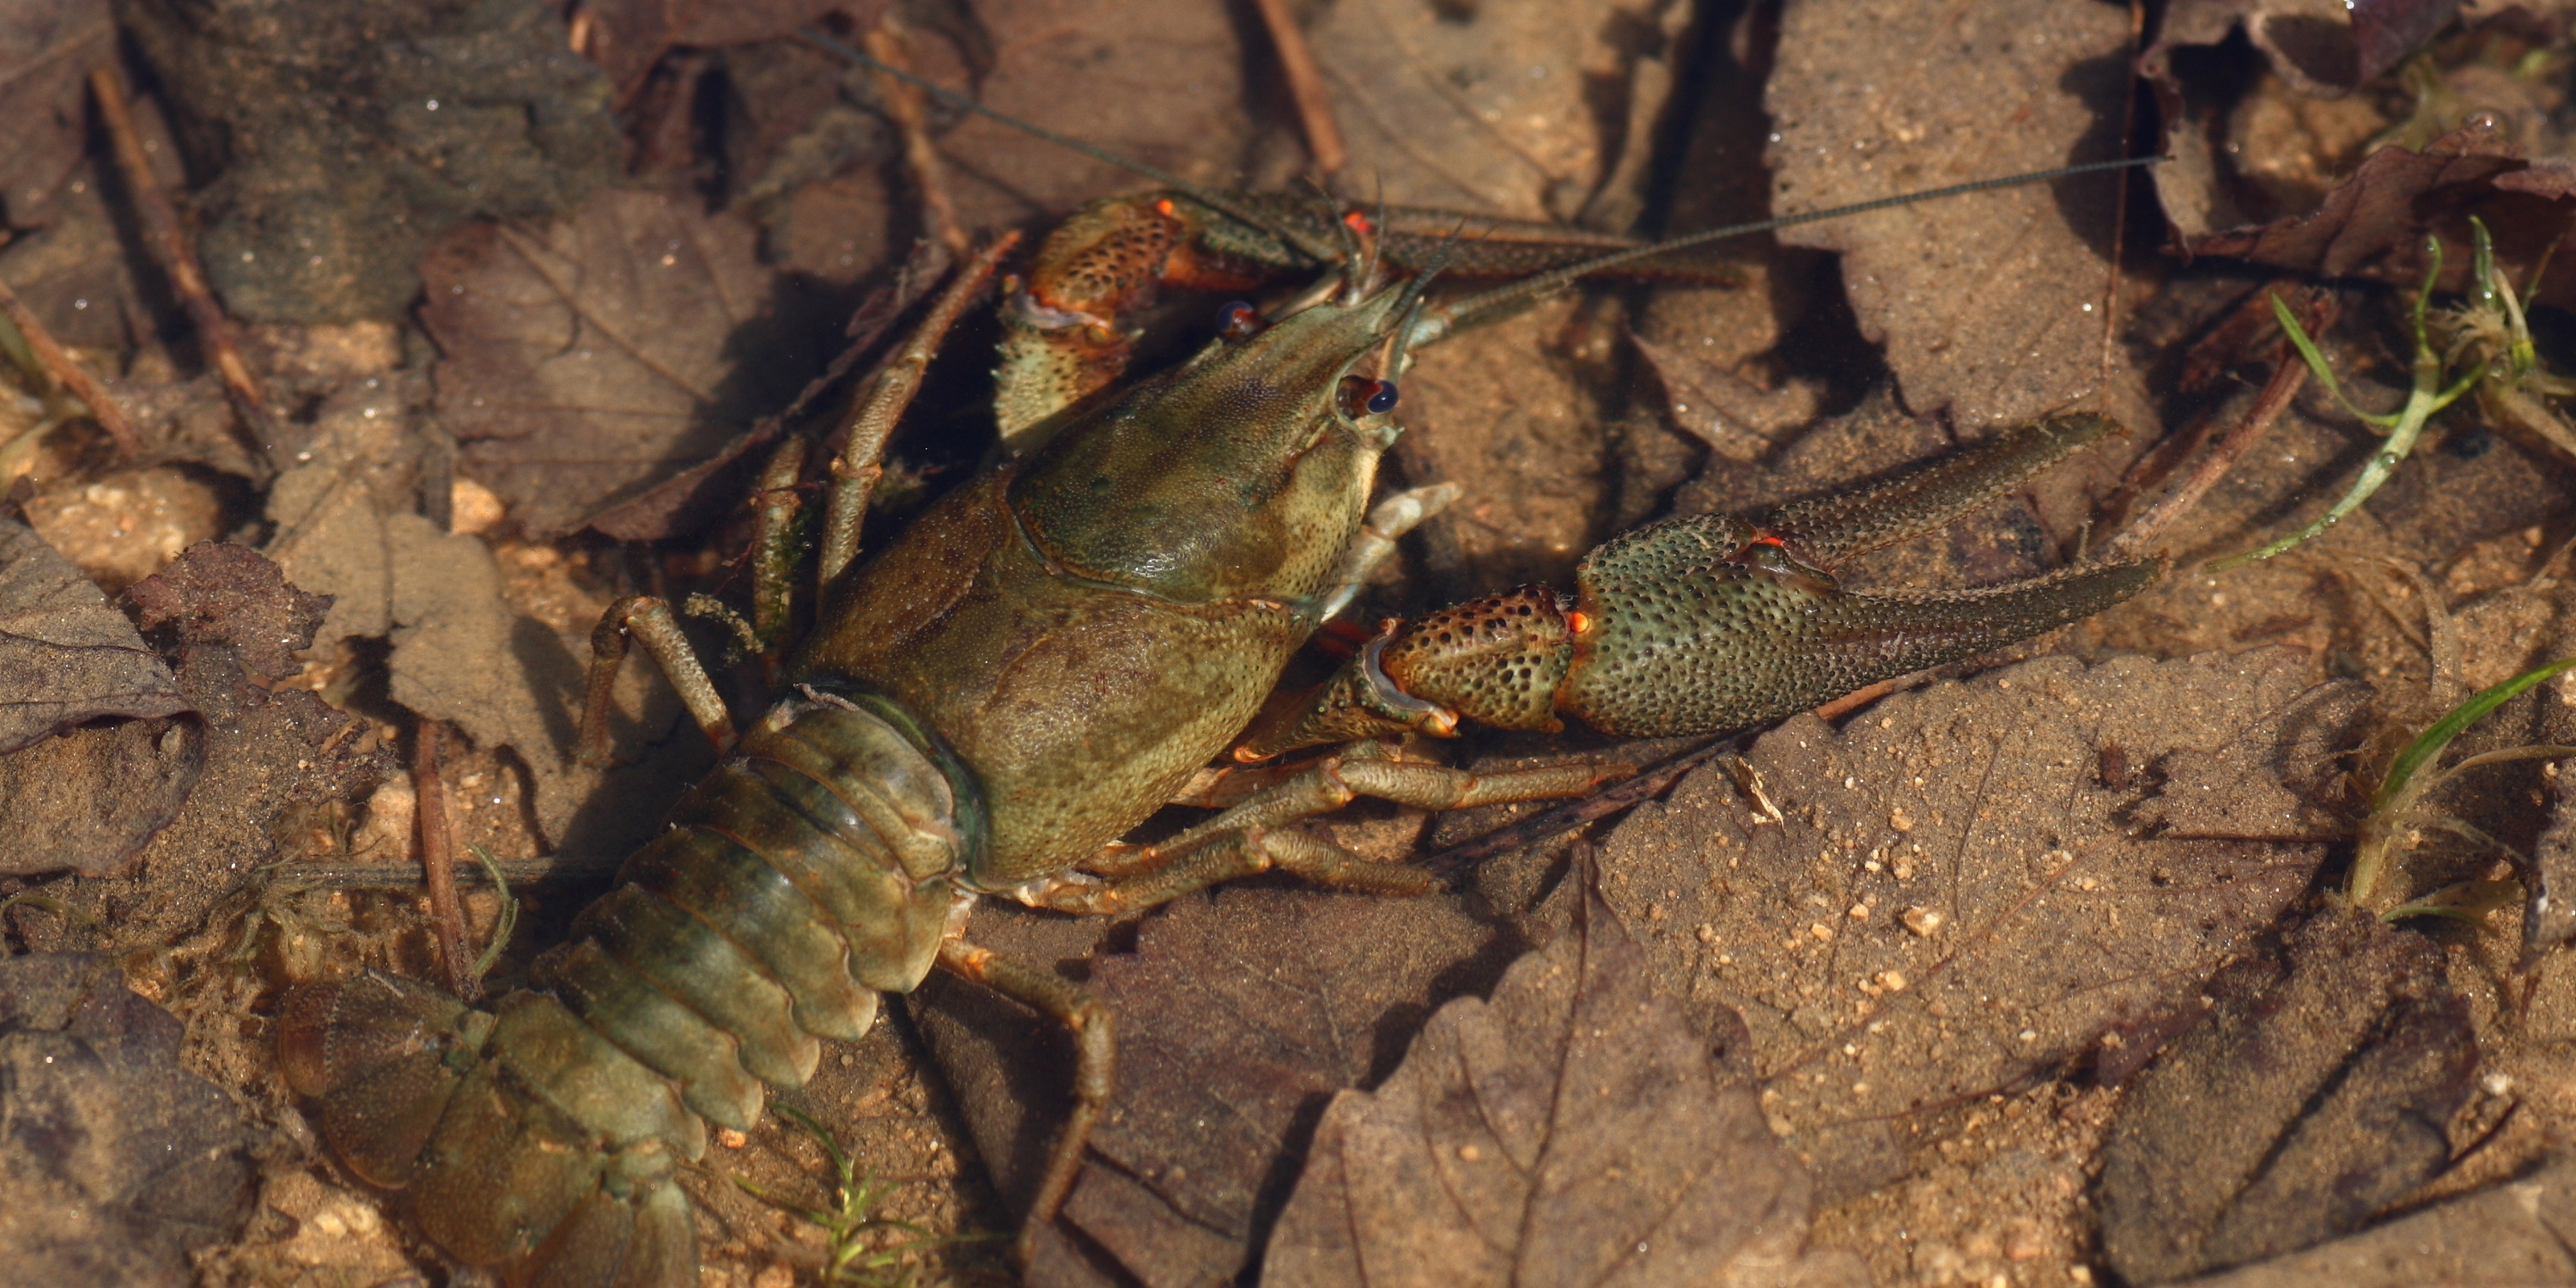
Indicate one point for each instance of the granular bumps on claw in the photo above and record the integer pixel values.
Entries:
(1525, 630)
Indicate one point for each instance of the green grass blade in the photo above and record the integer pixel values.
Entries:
(504, 926)
(2382, 463)
(2317, 364)
(2430, 743)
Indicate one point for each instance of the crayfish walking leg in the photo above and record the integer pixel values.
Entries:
(1253, 837)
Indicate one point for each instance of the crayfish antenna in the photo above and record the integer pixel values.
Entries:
(1476, 308)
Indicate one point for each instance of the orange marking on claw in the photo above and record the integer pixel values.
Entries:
(1163, 207)
(1578, 622)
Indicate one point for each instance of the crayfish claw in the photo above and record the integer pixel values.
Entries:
(1829, 530)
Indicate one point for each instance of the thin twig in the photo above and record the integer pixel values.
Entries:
(168, 238)
(1856, 699)
(438, 866)
(907, 105)
(2287, 378)
(1306, 85)
(1573, 814)
(73, 376)
(2120, 203)
(519, 874)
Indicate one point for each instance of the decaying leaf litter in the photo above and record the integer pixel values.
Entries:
(506, 276)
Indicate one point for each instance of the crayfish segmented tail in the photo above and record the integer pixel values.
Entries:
(812, 870)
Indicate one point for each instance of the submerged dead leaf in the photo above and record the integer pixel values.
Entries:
(89, 797)
(1162, 83)
(2373, 222)
(1990, 305)
(272, 757)
(225, 594)
(65, 656)
(1522, 441)
(1571, 1129)
(1954, 901)
(463, 656)
(86, 799)
(626, 37)
(2522, 1232)
(46, 48)
(1238, 1016)
(2318, 1090)
(1501, 113)
(683, 501)
(2324, 48)
(115, 1162)
(587, 361)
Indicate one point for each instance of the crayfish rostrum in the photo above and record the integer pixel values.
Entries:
(1031, 668)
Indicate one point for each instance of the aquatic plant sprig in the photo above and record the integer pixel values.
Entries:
(2425, 395)
(2398, 807)
(849, 1221)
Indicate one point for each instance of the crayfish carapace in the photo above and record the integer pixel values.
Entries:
(1031, 668)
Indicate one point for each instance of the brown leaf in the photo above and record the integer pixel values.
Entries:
(1751, 397)
(74, 274)
(46, 48)
(1159, 82)
(2323, 48)
(629, 36)
(1499, 114)
(86, 799)
(115, 1162)
(2521, 1232)
(1953, 902)
(339, 146)
(2278, 779)
(2319, 1089)
(462, 655)
(683, 501)
(1238, 1017)
(2384, 32)
(1736, 418)
(1518, 436)
(270, 756)
(225, 594)
(1990, 305)
(588, 361)
(65, 655)
(2374, 221)
(1571, 1129)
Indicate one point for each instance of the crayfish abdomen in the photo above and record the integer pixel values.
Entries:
(811, 869)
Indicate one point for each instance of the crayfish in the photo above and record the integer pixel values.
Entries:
(1031, 668)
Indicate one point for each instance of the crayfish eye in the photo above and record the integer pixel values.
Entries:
(1361, 396)
(1238, 321)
